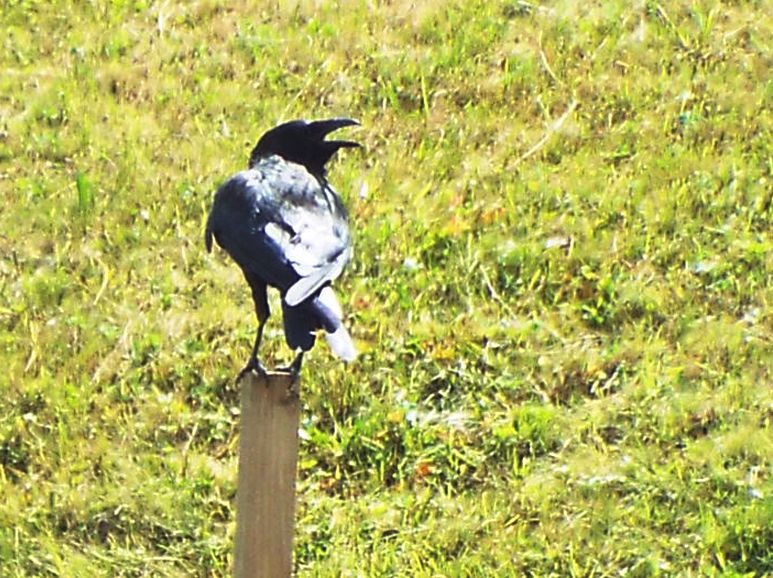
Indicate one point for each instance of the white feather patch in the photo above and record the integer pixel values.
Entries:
(341, 343)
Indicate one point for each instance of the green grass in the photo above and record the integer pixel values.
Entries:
(566, 327)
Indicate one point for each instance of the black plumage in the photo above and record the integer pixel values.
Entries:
(286, 227)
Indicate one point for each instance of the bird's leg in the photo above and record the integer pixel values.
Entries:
(254, 364)
(260, 298)
(295, 367)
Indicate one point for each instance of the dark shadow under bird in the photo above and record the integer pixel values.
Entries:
(286, 227)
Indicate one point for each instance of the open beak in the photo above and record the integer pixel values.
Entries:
(319, 129)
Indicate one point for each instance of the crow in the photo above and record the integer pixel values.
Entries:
(287, 228)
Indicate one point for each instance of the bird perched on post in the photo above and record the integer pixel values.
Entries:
(286, 227)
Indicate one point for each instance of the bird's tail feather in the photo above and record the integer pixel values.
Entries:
(341, 343)
(208, 238)
(339, 340)
(323, 312)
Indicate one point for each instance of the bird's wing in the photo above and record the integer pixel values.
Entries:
(316, 244)
(280, 222)
(312, 230)
(243, 206)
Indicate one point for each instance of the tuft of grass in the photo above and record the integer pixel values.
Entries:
(561, 287)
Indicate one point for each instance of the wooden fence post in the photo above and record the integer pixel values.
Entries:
(268, 458)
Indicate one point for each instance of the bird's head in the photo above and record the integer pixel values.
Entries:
(303, 142)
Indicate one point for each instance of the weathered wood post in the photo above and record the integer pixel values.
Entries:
(268, 458)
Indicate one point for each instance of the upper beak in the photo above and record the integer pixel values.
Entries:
(321, 128)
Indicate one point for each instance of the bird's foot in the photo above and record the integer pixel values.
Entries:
(253, 365)
(294, 369)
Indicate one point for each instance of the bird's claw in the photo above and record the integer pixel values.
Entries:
(294, 369)
(291, 369)
(253, 365)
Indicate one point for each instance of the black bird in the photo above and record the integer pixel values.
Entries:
(286, 227)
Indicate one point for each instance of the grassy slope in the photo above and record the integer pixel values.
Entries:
(520, 406)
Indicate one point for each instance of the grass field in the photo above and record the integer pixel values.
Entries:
(561, 288)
